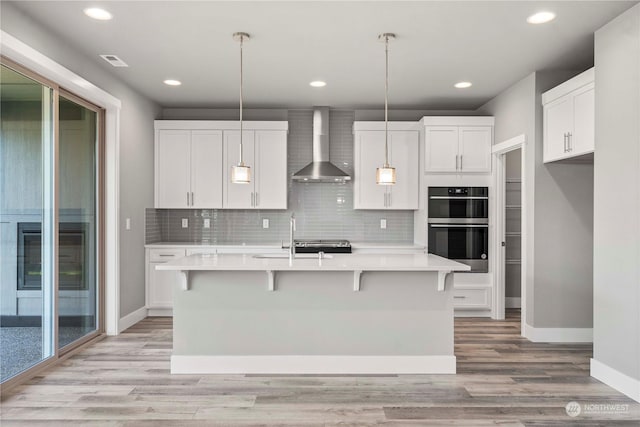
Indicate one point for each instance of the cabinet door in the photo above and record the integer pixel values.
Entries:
(475, 148)
(558, 121)
(441, 149)
(206, 169)
(582, 139)
(404, 157)
(238, 196)
(271, 169)
(161, 285)
(369, 155)
(172, 169)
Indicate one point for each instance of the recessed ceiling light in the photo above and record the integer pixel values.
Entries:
(463, 85)
(97, 13)
(172, 82)
(541, 17)
(318, 83)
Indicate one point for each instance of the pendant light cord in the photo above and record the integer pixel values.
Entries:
(241, 70)
(386, 101)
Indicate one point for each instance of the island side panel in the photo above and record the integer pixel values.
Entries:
(313, 314)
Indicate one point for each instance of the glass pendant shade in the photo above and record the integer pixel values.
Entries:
(241, 174)
(386, 175)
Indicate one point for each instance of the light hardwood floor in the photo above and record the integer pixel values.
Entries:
(502, 379)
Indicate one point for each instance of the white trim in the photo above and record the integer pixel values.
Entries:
(313, 364)
(461, 312)
(512, 302)
(509, 145)
(131, 319)
(30, 58)
(219, 125)
(160, 312)
(457, 121)
(378, 125)
(616, 379)
(562, 335)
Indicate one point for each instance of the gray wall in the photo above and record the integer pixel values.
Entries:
(136, 142)
(617, 207)
(559, 202)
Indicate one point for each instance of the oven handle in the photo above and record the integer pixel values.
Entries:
(459, 198)
(459, 225)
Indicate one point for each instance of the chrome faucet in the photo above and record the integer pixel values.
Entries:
(292, 245)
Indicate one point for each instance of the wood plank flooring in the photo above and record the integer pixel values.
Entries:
(503, 380)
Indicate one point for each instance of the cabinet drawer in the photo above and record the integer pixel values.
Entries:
(161, 255)
(472, 298)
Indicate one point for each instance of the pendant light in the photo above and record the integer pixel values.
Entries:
(241, 173)
(386, 175)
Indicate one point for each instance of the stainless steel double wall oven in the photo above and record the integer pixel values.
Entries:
(458, 225)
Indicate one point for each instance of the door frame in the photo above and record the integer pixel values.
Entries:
(498, 152)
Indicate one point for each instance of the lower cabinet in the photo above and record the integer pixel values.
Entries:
(159, 284)
(470, 297)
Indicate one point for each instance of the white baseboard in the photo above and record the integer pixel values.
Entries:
(313, 365)
(131, 319)
(559, 335)
(160, 312)
(512, 302)
(471, 313)
(616, 379)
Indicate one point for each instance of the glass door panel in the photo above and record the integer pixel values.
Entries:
(27, 239)
(78, 221)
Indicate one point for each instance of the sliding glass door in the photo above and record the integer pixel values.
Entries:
(77, 219)
(49, 221)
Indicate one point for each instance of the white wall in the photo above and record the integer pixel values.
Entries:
(617, 201)
(136, 142)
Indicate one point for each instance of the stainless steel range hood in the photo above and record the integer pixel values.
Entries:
(321, 169)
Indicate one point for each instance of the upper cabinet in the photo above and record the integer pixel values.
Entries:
(193, 161)
(457, 144)
(266, 152)
(569, 117)
(188, 171)
(403, 141)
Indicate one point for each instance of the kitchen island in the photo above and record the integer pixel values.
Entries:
(344, 314)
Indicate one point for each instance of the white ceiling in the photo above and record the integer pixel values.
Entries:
(438, 44)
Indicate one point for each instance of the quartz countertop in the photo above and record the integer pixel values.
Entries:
(336, 262)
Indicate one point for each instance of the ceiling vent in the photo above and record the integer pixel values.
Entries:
(114, 60)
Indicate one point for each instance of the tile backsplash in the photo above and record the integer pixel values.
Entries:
(323, 210)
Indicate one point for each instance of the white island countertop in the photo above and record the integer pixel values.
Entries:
(357, 263)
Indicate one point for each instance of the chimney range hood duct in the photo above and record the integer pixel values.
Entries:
(321, 169)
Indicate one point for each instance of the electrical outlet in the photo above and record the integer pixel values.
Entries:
(265, 222)
(185, 223)
(127, 223)
(207, 223)
(383, 223)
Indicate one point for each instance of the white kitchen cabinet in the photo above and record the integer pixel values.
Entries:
(569, 118)
(451, 146)
(265, 151)
(369, 155)
(188, 168)
(160, 284)
(471, 297)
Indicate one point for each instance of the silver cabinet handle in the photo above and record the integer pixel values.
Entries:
(457, 162)
(569, 144)
(389, 198)
(461, 161)
(459, 297)
(252, 199)
(257, 199)
(187, 198)
(192, 199)
(564, 142)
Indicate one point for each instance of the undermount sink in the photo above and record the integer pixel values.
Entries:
(298, 256)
